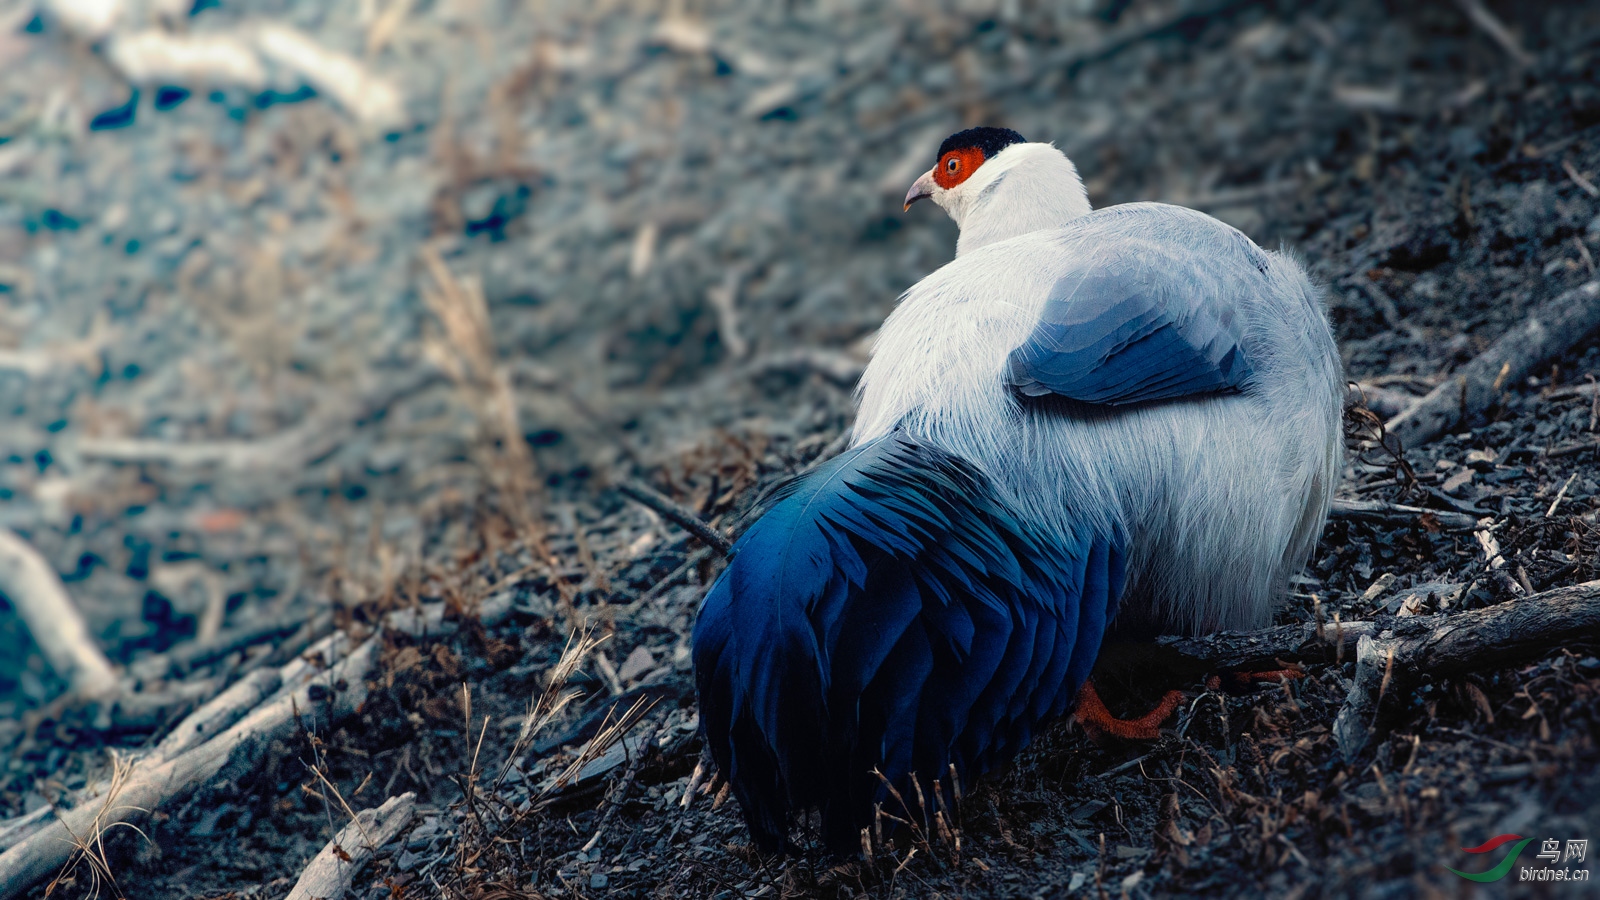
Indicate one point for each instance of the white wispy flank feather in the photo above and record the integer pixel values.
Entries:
(1221, 496)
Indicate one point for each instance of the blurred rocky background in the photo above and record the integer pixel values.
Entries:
(313, 311)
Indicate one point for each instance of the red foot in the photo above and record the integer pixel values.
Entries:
(1239, 681)
(1097, 720)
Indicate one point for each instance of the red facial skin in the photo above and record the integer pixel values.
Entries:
(957, 166)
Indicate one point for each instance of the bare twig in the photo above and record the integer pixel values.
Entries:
(1551, 329)
(156, 780)
(1269, 648)
(332, 870)
(222, 711)
(1587, 186)
(1491, 25)
(1569, 449)
(678, 514)
(724, 299)
(1560, 495)
(619, 794)
(1520, 631)
(57, 627)
(1380, 513)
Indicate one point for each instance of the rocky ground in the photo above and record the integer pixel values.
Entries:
(270, 369)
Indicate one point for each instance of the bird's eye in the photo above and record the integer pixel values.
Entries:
(953, 165)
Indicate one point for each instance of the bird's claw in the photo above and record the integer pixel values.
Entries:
(1099, 722)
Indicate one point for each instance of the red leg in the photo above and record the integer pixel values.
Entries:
(1240, 681)
(1097, 720)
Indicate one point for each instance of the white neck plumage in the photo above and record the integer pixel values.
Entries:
(1023, 188)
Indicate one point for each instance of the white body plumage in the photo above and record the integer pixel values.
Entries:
(1221, 495)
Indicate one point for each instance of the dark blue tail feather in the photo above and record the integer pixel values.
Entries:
(889, 613)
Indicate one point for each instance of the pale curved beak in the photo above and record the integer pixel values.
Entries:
(922, 187)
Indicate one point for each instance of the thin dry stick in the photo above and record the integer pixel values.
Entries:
(1496, 30)
(1588, 188)
(1397, 514)
(1559, 495)
(619, 794)
(695, 779)
(680, 515)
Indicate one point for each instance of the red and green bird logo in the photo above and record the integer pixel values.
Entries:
(1500, 871)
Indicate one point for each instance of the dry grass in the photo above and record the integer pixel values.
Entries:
(89, 849)
(493, 815)
(466, 353)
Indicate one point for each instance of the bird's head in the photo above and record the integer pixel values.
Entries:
(996, 185)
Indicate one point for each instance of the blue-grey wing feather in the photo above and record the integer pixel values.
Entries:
(1145, 309)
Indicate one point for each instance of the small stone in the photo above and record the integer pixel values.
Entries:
(598, 881)
(638, 662)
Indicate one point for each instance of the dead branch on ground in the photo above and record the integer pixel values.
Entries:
(1391, 661)
(53, 619)
(1397, 514)
(1548, 331)
(158, 779)
(332, 870)
(677, 513)
(1238, 651)
(1497, 31)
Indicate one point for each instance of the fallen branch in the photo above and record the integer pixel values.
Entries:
(678, 514)
(1390, 662)
(153, 56)
(17, 829)
(1548, 331)
(220, 713)
(373, 100)
(1569, 449)
(1384, 401)
(1242, 651)
(187, 657)
(156, 780)
(1395, 514)
(333, 869)
(34, 590)
(236, 58)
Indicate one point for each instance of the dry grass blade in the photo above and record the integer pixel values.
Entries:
(619, 793)
(468, 356)
(612, 731)
(338, 796)
(548, 703)
(90, 847)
